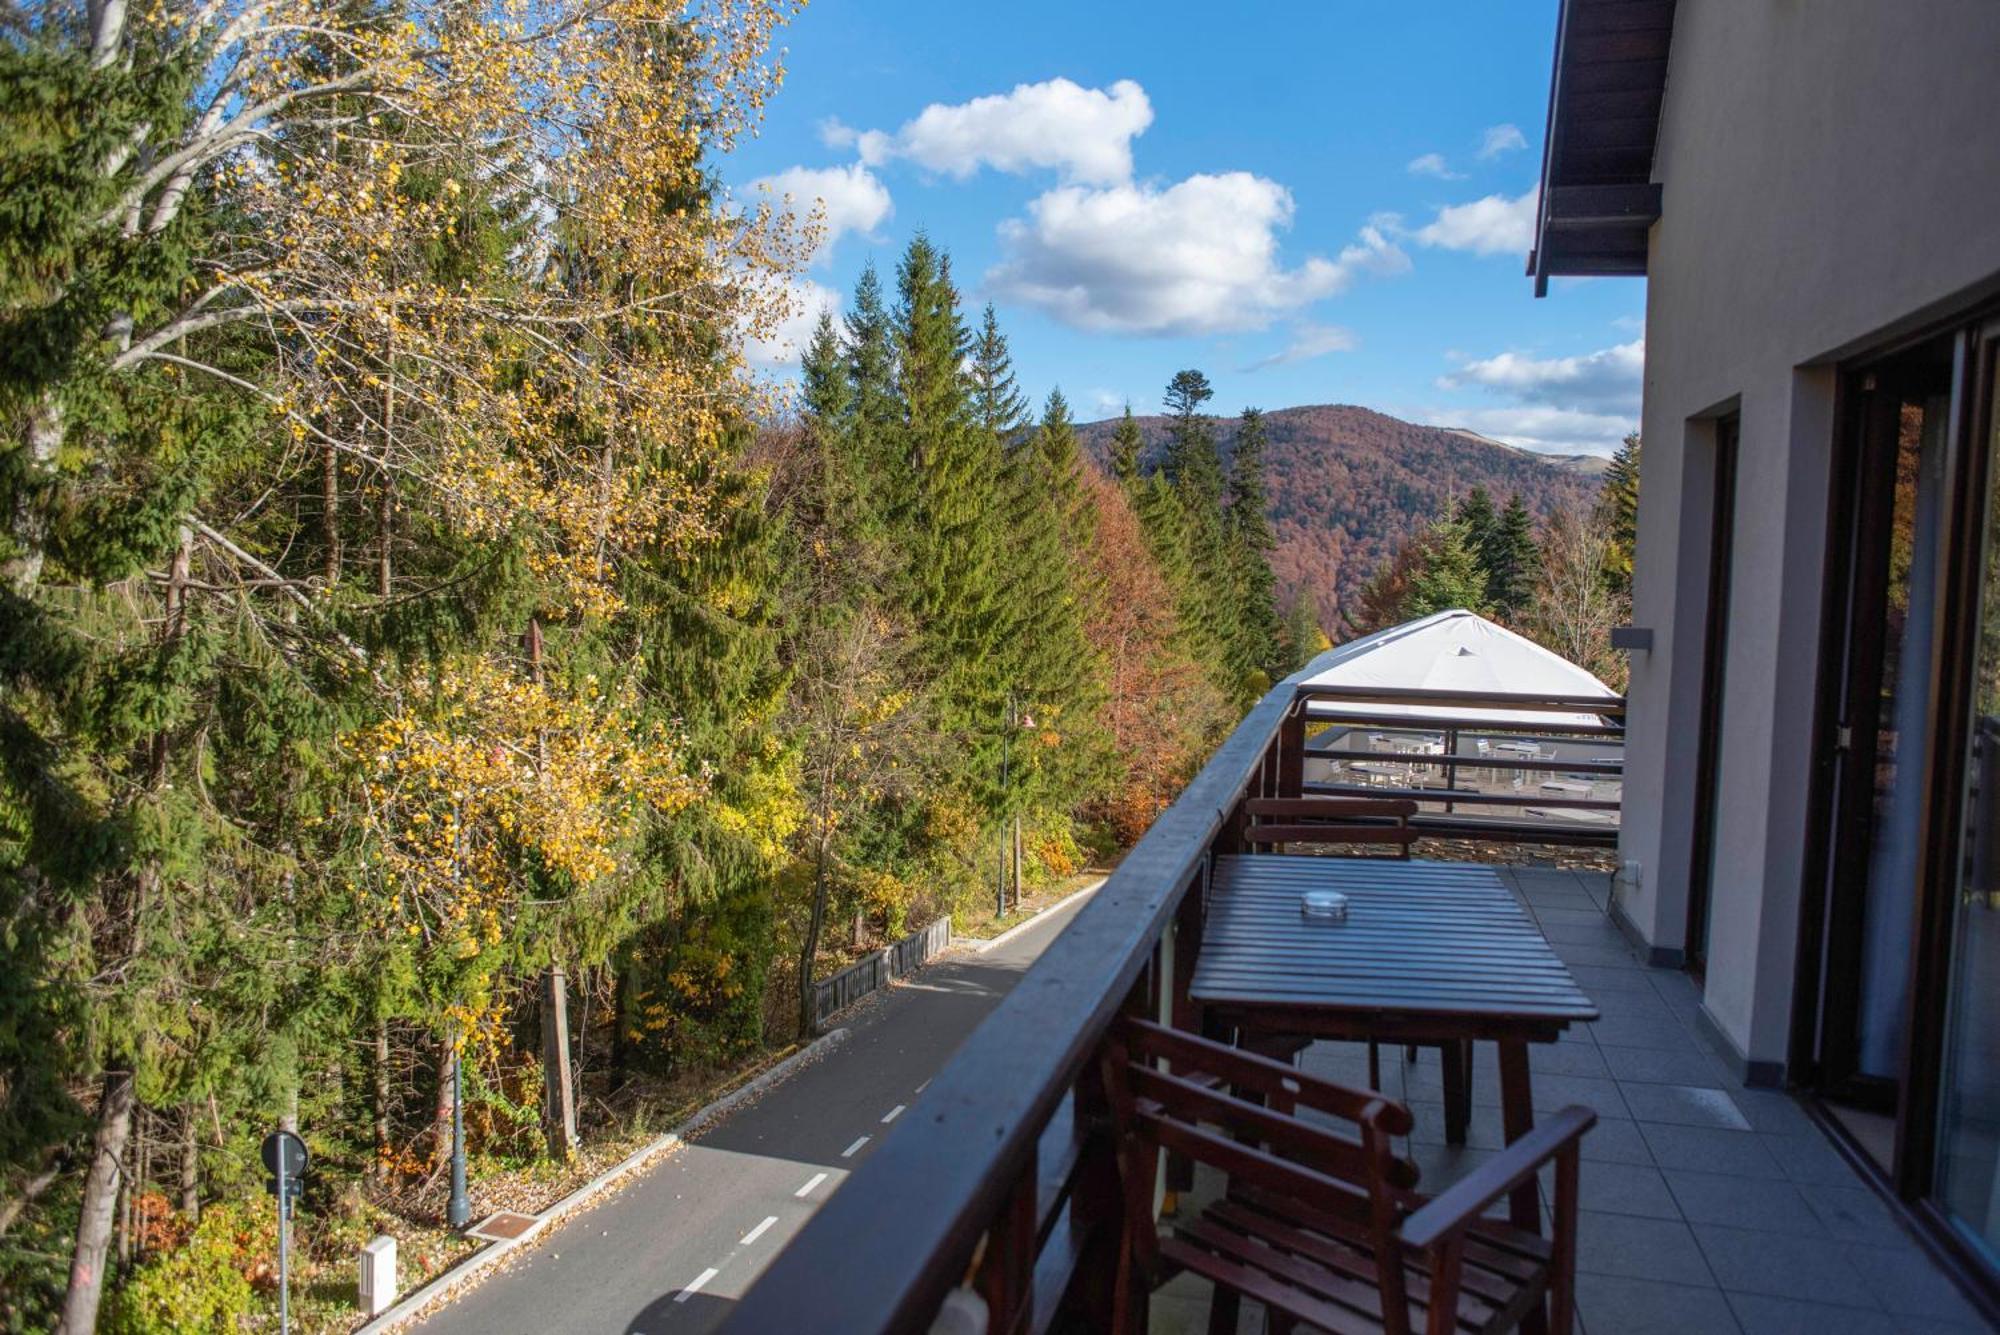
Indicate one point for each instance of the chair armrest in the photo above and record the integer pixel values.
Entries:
(1457, 1207)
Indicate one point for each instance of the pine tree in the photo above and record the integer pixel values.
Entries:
(876, 413)
(1053, 669)
(1513, 561)
(1481, 521)
(1303, 637)
(1126, 446)
(957, 584)
(1450, 576)
(997, 402)
(1259, 635)
(1210, 614)
(1618, 512)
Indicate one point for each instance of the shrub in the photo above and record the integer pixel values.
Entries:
(196, 1289)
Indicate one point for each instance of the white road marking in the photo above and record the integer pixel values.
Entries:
(894, 1113)
(848, 1153)
(694, 1288)
(921, 1088)
(806, 1190)
(758, 1231)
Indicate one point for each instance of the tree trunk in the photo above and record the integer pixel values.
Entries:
(809, 949)
(190, 1164)
(329, 500)
(558, 1091)
(381, 1075)
(100, 1206)
(46, 424)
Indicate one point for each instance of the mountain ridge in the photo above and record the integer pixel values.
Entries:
(1349, 484)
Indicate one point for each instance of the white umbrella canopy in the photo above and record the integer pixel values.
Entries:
(1454, 651)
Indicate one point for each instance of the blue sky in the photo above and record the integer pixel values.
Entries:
(1313, 202)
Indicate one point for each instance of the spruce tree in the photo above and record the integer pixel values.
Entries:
(956, 585)
(1303, 637)
(1450, 575)
(1513, 561)
(1053, 670)
(997, 402)
(1207, 597)
(1618, 512)
(1259, 635)
(876, 412)
(1481, 521)
(1127, 444)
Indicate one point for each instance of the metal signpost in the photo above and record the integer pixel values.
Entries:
(285, 1155)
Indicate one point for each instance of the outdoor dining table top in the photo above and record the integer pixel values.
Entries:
(1420, 938)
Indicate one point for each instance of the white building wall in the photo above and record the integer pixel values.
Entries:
(1831, 174)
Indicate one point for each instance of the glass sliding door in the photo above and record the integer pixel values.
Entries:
(1967, 1169)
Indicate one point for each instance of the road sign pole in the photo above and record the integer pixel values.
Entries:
(285, 1155)
(284, 1249)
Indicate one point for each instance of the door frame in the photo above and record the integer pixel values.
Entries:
(1724, 465)
(1975, 384)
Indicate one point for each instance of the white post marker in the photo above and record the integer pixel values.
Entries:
(806, 1190)
(694, 1288)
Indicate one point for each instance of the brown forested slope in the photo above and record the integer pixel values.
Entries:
(1348, 484)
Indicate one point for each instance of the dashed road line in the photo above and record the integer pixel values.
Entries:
(848, 1153)
(694, 1288)
(758, 1231)
(922, 1087)
(893, 1113)
(806, 1190)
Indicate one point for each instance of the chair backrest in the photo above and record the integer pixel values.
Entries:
(1233, 1110)
(1330, 820)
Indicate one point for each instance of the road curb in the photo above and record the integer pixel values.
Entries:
(472, 1267)
(995, 942)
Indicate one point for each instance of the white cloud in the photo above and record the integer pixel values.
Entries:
(1500, 139)
(1308, 341)
(1197, 257)
(847, 199)
(795, 309)
(836, 133)
(1433, 164)
(1084, 133)
(1605, 381)
(1494, 225)
(1545, 430)
(1107, 402)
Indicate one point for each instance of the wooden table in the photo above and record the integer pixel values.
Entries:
(1430, 952)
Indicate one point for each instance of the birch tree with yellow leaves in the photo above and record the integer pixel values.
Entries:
(453, 271)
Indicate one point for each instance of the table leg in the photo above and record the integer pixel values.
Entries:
(1457, 1089)
(1517, 1113)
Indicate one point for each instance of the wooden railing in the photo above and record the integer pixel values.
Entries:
(1001, 1177)
(1453, 811)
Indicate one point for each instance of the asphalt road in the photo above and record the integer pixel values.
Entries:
(669, 1253)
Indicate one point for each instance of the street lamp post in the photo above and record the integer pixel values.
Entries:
(1006, 755)
(459, 1211)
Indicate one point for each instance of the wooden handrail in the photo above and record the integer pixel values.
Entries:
(918, 1206)
(1611, 705)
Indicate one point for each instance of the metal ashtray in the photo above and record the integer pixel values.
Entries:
(1323, 905)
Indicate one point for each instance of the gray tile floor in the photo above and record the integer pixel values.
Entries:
(1707, 1207)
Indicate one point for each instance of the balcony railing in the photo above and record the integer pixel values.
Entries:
(1002, 1176)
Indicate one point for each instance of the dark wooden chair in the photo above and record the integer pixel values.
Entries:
(1273, 822)
(1321, 1224)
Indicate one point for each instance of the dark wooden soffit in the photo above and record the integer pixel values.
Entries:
(1598, 193)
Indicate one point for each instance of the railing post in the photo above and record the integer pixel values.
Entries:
(1007, 1275)
(1292, 751)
